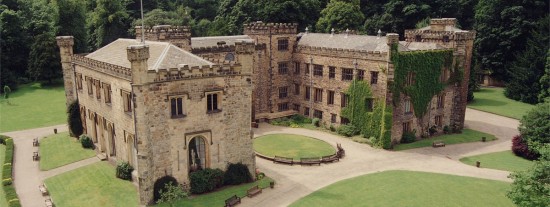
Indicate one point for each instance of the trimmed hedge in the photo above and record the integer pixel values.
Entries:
(520, 148)
(73, 119)
(160, 185)
(237, 174)
(408, 137)
(124, 171)
(86, 141)
(7, 170)
(206, 180)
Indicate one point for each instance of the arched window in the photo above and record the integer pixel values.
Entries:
(230, 57)
(197, 153)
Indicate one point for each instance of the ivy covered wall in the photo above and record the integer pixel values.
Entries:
(368, 114)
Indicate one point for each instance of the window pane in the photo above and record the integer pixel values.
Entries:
(180, 109)
(173, 106)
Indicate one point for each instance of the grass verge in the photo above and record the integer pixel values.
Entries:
(3, 201)
(405, 188)
(290, 145)
(92, 185)
(505, 160)
(492, 100)
(60, 149)
(466, 136)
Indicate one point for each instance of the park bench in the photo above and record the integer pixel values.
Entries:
(232, 201)
(35, 142)
(253, 191)
(35, 156)
(438, 143)
(310, 161)
(49, 202)
(284, 160)
(43, 189)
(329, 158)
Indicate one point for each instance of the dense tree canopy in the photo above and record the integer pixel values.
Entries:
(535, 127)
(340, 15)
(531, 187)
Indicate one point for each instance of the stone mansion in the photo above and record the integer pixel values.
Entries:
(179, 103)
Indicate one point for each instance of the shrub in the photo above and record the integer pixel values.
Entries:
(315, 122)
(535, 127)
(432, 130)
(446, 129)
(206, 180)
(347, 130)
(237, 174)
(520, 148)
(455, 128)
(124, 171)
(86, 141)
(171, 192)
(332, 128)
(160, 186)
(260, 176)
(2, 140)
(408, 137)
(297, 118)
(11, 196)
(73, 119)
(7, 181)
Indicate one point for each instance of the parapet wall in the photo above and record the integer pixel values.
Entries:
(343, 53)
(260, 28)
(115, 70)
(438, 36)
(161, 32)
(226, 68)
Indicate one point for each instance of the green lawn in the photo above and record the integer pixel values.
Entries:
(290, 145)
(3, 201)
(405, 188)
(92, 185)
(218, 198)
(492, 100)
(33, 106)
(505, 160)
(467, 135)
(60, 149)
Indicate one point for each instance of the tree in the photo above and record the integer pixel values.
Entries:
(160, 17)
(44, 60)
(109, 21)
(535, 127)
(340, 15)
(503, 27)
(71, 20)
(527, 70)
(171, 193)
(545, 80)
(531, 187)
(14, 49)
(73, 119)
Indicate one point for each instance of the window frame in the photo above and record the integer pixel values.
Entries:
(107, 92)
(373, 77)
(211, 106)
(317, 70)
(346, 76)
(282, 68)
(318, 95)
(331, 72)
(360, 74)
(179, 107)
(330, 97)
(282, 107)
(344, 100)
(126, 101)
(283, 92)
(282, 44)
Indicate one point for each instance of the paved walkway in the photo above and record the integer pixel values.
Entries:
(27, 174)
(295, 182)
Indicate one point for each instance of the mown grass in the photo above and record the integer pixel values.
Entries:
(60, 149)
(466, 136)
(3, 201)
(31, 106)
(218, 197)
(92, 185)
(290, 145)
(505, 160)
(492, 100)
(405, 188)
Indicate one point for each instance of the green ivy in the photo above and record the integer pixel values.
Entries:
(374, 123)
(426, 65)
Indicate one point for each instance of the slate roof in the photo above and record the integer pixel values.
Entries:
(162, 55)
(197, 42)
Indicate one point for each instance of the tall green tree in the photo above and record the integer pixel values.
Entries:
(44, 60)
(527, 70)
(531, 188)
(545, 80)
(14, 50)
(340, 15)
(503, 27)
(71, 20)
(109, 21)
(535, 127)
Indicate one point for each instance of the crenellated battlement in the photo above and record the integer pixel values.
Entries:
(342, 53)
(183, 71)
(115, 70)
(261, 28)
(437, 36)
(443, 22)
(213, 49)
(179, 36)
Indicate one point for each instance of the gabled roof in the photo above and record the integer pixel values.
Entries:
(162, 55)
(197, 42)
(342, 41)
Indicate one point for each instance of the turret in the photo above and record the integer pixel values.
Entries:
(245, 51)
(179, 36)
(65, 44)
(138, 56)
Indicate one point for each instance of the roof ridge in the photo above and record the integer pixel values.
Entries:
(161, 57)
(191, 54)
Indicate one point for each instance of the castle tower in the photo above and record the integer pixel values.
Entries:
(445, 33)
(280, 39)
(65, 44)
(138, 56)
(179, 36)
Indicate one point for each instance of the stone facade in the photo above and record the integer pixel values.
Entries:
(159, 120)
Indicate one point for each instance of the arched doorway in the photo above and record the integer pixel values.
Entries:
(131, 150)
(197, 154)
(111, 137)
(94, 127)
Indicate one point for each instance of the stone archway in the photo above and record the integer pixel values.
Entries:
(197, 153)
(131, 150)
(111, 140)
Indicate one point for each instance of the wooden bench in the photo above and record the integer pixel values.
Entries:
(330, 158)
(35, 142)
(284, 160)
(253, 191)
(310, 161)
(43, 190)
(49, 202)
(438, 143)
(232, 201)
(35, 156)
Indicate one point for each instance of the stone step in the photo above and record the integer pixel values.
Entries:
(102, 156)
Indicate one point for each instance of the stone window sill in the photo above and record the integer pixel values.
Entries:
(178, 116)
(214, 111)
